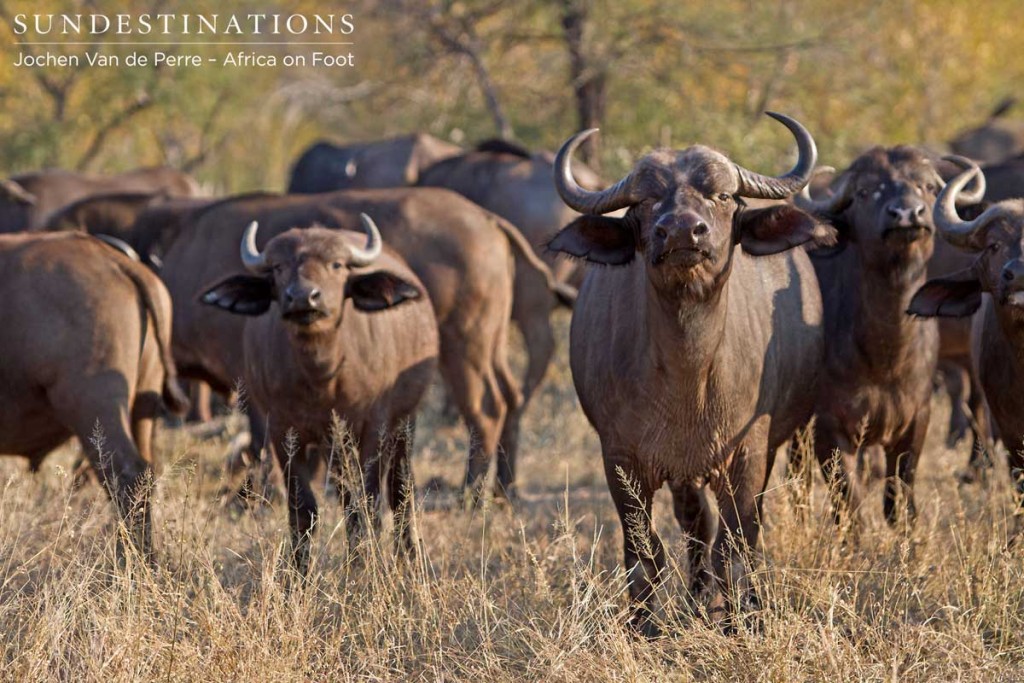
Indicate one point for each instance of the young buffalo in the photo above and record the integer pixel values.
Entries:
(997, 337)
(695, 350)
(354, 334)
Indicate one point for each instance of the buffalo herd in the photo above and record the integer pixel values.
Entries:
(718, 315)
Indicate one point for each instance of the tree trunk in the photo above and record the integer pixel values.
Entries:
(589, 82)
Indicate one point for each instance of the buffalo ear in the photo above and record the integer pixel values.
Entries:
(379, 290)
(777, 228)
(598, 239)
(241, 294)
(955, 296)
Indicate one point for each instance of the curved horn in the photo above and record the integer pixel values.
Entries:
(830, 206)
(618, 196)
(968, 195)
(757, 186)
(960, 233)
(253, 260)
(374, 244)
(120, 245)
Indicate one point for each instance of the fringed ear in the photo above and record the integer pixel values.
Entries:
(777, 228)
(379, 290)
(241, 294)
(956, 296)
(598, 239)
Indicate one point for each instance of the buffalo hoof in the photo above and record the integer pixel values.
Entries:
(643, 626)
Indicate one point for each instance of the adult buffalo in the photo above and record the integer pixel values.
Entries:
(352, 336)
(997, 349)
(510, 181)
(880, 363)
(396, 162)
(458, 251)
(85, 352)
(28, 200)
(696, 352)
(994, 141)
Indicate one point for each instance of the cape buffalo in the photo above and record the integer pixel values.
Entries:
(28, 200)
(396, 162)
(86, 353)
(695, 351)
(458, 251)
(353, 334)
(995, 140)
(515, 184)
(880, 363)
(997, 349)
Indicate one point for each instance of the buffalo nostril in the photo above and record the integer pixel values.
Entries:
(1009, 275)
(700, 229)
(892, 211)
(314, 295)
(661, 233)
(919, 210)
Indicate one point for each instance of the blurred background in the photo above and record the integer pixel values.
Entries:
(647, 72)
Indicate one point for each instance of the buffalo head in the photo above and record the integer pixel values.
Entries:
(883, 204)
(309, 273)
(997, 236)
(686, 214)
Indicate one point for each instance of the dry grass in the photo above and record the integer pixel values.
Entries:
(535, 594)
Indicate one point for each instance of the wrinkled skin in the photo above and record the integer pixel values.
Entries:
(27, 201)
(695, 349)
(997, 339)
(360, 341)
(85, 347)
(879, 361)
(454, 248)
(396, 162)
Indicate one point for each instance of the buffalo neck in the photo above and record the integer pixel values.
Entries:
(886, 336)
(317, 356)
(685, 335)
(1011, 323)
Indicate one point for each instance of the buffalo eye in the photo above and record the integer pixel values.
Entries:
(724, 196)
(931, 188)
(336, 265)
(278, 268)
(862, 193)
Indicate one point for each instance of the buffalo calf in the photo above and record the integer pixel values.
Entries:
(353, 334)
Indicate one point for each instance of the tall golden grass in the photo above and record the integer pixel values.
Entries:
(534, 593)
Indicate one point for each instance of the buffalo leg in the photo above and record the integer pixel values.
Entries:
(981, 433)
(401, 487)
(644, 555)
(696, 519)
(299, 471)
(901, 466)
(257, 485)
(532, 317)
(1015, 463)
(200, 399)
(956, 380)
(839, 466)
(738, 533)
(469, 374)
(508, 447)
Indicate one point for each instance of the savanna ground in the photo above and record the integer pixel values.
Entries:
(537, 593)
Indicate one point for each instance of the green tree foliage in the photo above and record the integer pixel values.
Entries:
(856, 73)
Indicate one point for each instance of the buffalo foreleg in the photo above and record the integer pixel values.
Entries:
(901, 466)
(643, 551)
